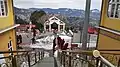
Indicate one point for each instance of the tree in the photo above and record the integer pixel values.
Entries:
(36, 15)
(35, 19)
(43, 19)
(40, 27)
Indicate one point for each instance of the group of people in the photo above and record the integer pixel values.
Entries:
(60, 43)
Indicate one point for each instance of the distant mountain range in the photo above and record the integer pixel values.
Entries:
(25, 13)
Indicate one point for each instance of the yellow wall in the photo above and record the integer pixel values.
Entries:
(105, 42)
(108, 43)
(113, 23)
(5, 38)
(6, 22)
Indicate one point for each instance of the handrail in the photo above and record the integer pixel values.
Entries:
(108, 50)
(98, 57)
(5, 57)
(96, 54)
(112, 31)
(114, 52)
(3, 52)
(78, 51)
(82, 59)
(106, 61)
(8, 28)
(67, 57)
(29, 57)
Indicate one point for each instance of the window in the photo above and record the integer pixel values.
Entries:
(3, 8)
(114, 8)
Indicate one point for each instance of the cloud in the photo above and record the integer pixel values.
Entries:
(74, 4)
(23, 3)
(96, 4)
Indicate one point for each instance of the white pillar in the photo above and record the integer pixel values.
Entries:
(44, 27)
(58, 27)
(49, 27)
(30, 26)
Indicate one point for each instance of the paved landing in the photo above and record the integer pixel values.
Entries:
(46, 62)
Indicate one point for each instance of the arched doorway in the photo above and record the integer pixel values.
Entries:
(54, 26)
(47, 26)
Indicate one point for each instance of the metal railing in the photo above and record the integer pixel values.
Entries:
(82, 58)
(113, 56)
(21, 58)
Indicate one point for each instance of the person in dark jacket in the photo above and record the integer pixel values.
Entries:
(62, 44)
(59, 41)
(20, 38)
(34, 32)
(33, 40)
(18, 42)
(54, 44)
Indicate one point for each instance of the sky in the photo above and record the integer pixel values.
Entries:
(55, 4)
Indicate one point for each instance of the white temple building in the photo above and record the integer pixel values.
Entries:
(54, 23)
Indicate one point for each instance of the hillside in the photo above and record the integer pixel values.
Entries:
(69, 13)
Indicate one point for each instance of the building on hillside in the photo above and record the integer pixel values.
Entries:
(7, 26)
(54, 23)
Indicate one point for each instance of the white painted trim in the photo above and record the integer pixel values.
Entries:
(115, 32)
(5, 14)
(115, 8)
(9, 28)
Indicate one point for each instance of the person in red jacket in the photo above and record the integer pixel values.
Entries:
(65, 46)
(62, 44)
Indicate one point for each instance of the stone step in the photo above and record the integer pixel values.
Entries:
(46, 62)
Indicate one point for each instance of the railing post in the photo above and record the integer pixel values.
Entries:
(61, 57)
(69, 59)
(14, 61)
(29, 60)
(82, 61)
(64, 59)
(42, 55)
(39, 56)
(97, 61)
(101, 64)
(35, 58)
(118, 63)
